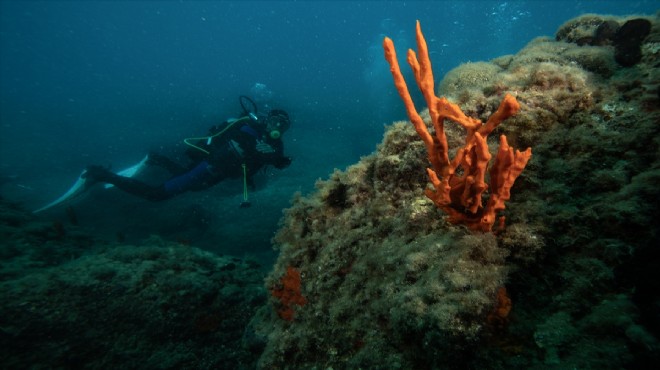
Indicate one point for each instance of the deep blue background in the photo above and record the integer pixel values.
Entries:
(87, 82)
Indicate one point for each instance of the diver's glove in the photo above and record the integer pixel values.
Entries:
(264, 148)
(282, 162)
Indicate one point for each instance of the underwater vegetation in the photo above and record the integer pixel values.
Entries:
(389, 280)
(71, 301)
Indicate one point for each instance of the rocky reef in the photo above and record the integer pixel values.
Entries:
(372, 275)
(71, 301)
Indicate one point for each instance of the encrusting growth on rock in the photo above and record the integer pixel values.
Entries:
(459, 194)
(289, 293)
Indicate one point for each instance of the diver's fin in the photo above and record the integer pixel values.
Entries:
(131, 171)
(80, 186)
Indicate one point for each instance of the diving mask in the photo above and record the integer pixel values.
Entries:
(276, 123)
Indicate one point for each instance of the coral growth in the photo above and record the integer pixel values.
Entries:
(499, 316)
(460, 183)
(289, 294)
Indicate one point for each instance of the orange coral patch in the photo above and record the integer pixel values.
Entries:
(459, 196)
(289, 293)
(499, 316)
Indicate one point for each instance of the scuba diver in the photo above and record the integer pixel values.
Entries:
(234, 149)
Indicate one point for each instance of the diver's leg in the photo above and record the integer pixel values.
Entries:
(201, 176)
(127, 184)
(160, 160)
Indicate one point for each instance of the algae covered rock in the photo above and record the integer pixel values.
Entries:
(155, 305)
(388, 283)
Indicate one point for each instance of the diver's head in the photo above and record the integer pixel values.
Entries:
(277, 123)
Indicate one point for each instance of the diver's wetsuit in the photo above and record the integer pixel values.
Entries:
(243, 144)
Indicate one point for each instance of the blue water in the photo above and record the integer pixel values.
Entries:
(104, 82)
